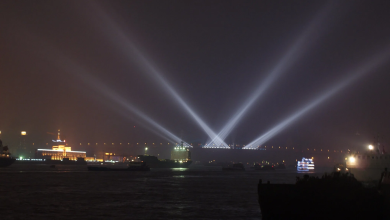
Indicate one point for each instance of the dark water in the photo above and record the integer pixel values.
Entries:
(72, 192)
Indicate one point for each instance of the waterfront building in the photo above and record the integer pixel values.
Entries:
(60, 151)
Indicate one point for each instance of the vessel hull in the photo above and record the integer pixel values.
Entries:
(366, 175)
(287, 201)
(5, 162)
(118, 169)
(169, 165)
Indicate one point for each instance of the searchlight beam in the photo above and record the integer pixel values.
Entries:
(353, 76)
(293, 53)
(80, 72)
(125, 44)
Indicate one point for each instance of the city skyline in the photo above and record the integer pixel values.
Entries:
(116, 71)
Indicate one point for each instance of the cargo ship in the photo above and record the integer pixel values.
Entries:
(5, 156)
(131, 166)
(180, 158)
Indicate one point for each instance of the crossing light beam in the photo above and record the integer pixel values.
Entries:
(352, 77)
(292, 54)
(131, 50)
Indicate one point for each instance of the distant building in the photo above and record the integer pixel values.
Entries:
(111, 157)
(59, 152)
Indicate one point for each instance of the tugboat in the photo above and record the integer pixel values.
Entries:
(5, 156)
(335, 196)
(132, 166)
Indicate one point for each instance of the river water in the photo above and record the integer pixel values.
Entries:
(72, 192)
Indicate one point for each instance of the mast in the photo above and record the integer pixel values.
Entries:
(378, 144)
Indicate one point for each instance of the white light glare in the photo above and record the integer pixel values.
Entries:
(106, 91)
(370, 147)
(125, 44)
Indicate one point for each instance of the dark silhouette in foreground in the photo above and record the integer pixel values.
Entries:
(5, 156)
(334, 196)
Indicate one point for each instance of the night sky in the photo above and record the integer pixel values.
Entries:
(59, 60)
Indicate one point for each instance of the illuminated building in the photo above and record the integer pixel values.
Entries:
(111, 157)
(60, 151)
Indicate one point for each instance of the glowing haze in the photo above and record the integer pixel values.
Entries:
(291, 56)
(124, 43)
(353, 75)
(202, 71)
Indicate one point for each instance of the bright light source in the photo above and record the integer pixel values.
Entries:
(351, 159)
(23, 133)
(370, 147)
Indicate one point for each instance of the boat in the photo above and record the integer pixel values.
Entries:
(340, 167)
(5, 156)
(234, 167)
(306, 164)
(131, 166)
(180, 158)
(334, 196)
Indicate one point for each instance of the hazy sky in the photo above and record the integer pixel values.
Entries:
(62, 62)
